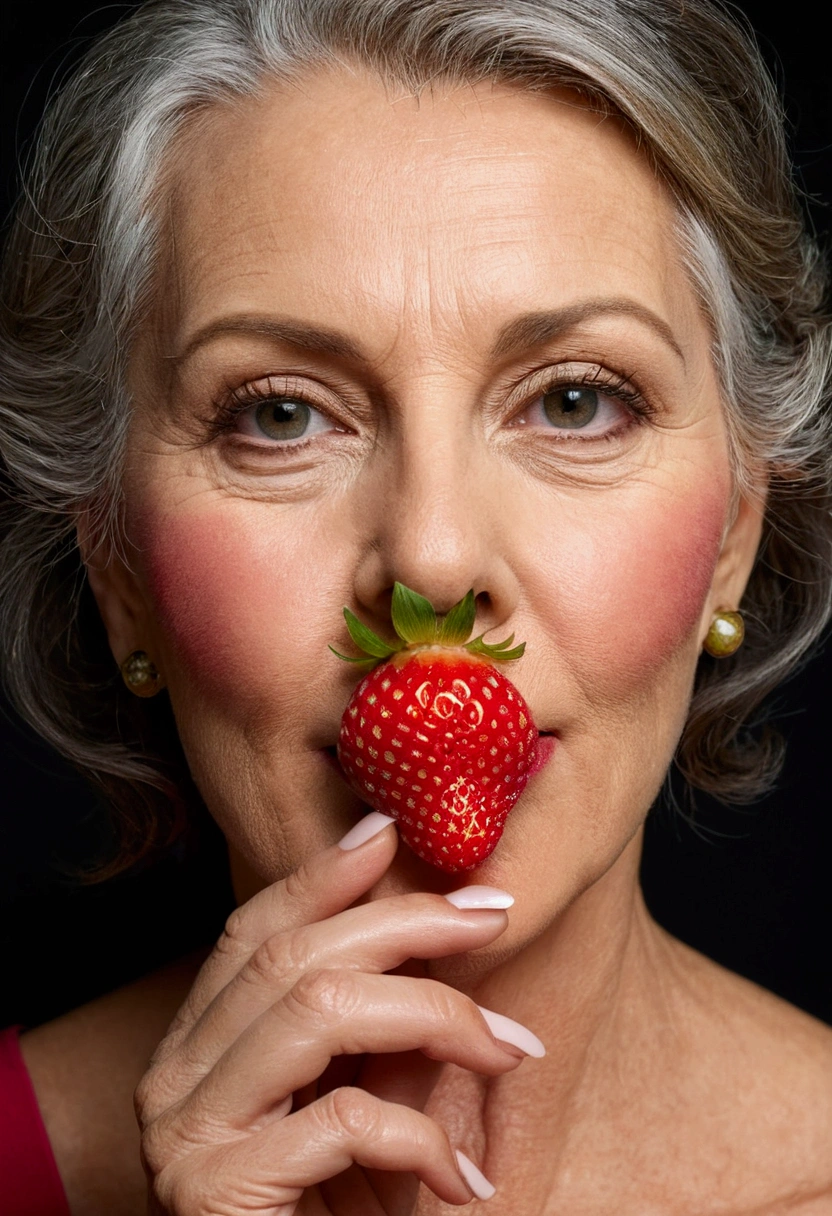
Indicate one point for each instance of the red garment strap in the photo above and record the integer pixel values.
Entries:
(30, 1184)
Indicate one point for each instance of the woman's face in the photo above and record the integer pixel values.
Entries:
(501, 380)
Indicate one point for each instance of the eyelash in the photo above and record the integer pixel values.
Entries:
(612, 384)
(228, 409)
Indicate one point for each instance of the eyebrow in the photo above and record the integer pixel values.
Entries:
(295, 333)
(529, 330)
(536, 328)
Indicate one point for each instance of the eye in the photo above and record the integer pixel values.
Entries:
(570, 407)
(282, 419)
(577, 408)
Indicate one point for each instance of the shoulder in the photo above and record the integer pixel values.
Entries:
(766, 1078)
(84, 1068)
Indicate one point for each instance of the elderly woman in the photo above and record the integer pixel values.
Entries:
(308, 298)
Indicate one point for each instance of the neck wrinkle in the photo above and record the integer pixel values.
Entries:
(585, 986)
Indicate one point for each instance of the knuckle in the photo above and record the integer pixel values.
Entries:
(180, 1192)
(445, 1003)
(327, 994)
(353, 1113)
(157, 1091)
(277, 958)
(156, 1151)
(172, 1143)
(143, 1098)
(234, 934)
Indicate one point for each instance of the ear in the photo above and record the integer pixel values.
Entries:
(115, 588)
(737, 555)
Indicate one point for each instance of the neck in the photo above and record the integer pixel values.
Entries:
(584, 986)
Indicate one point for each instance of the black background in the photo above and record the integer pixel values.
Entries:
(749, 887)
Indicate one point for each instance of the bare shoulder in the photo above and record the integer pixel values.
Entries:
(84, 1067)
(768, 1076)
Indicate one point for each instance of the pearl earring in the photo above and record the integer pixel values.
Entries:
(725, 635)
(141, 675)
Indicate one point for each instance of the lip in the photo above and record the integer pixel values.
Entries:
(546, 744)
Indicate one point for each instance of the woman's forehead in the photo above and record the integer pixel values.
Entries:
(442, 216)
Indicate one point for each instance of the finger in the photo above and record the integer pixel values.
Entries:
(322, 886)
(372, 938)
(276, 1165)
(334, 1013)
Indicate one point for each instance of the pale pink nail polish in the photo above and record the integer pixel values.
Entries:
(475, 1178)
(480, 897)
(365, 830)
(508, 1031)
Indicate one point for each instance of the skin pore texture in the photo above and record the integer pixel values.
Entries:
(423, 272)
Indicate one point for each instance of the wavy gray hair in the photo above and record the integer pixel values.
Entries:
(79, 275)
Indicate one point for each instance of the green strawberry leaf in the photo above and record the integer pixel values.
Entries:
(414, 619)
(367, 660)
(494, 646)
(457, 625)
(366, 640)
(496, 651)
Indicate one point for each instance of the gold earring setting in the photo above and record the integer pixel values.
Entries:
(725, 635)
(141, 674)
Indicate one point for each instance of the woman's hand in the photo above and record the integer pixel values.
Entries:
(234, 1116)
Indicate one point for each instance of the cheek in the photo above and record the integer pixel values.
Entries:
(630, 594)
(229, 598)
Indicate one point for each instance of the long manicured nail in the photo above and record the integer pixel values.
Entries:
(365, 830)
(480, 897)
(475, 1178)
(508, 1031)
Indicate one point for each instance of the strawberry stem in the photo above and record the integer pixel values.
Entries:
(416, 624)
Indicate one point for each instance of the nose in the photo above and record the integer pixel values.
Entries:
(434, 520)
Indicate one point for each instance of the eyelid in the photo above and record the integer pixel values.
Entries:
(234, 403)
(584, 375)
(543, 380)
(265, 387)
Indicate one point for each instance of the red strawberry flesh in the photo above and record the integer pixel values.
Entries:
(443, 741)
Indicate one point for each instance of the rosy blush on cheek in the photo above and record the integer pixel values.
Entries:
(199, 581)
(219, 589)
(631, 593)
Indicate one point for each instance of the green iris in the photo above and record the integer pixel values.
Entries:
(570, 407)
(283, 418)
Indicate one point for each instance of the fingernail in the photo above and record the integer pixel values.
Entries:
(508, 1031)
(475, 1178)
(364, 830)
(480, 897)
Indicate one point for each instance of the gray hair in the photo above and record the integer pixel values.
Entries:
(79, 275)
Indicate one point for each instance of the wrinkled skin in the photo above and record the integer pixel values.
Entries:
(426, 274)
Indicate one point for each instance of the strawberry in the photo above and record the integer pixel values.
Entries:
(435, 735)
